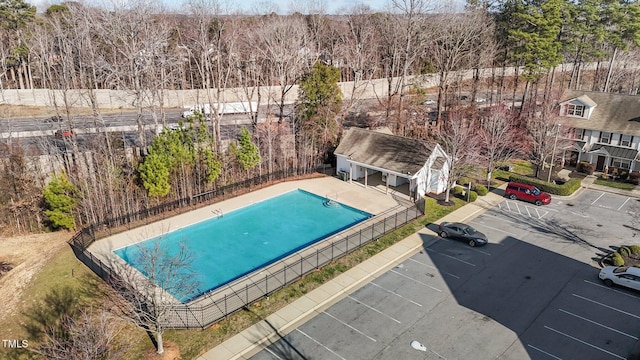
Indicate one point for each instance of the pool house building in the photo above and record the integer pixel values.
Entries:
(397, 160)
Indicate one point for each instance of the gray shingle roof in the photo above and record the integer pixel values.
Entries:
(391, 152)
(615, 113)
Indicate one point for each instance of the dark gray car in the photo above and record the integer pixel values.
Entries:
(462, 232)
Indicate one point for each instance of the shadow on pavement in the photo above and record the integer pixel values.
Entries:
(522, 287)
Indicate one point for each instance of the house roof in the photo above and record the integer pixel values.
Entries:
(391, 152)
(614, 113)
(587, 101)
(616, 151)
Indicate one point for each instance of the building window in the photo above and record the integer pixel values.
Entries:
(605, 138)
(625, 140)
(620, 163)
(578, 134)
(575, 110)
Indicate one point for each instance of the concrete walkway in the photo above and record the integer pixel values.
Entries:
(252, 340)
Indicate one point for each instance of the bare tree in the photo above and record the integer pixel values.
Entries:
(85, 336)
(280, 43)
(458, 138)
(498, 139)
(137, 43)
(360, 51)
(212, 44)
(545, 136)
(165, 277)
(456, 41)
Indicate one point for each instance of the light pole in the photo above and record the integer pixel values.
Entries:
(553, 153)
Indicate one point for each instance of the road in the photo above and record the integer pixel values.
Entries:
(532, 293)
(38, 131)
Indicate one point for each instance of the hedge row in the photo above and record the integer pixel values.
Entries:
(565, 189)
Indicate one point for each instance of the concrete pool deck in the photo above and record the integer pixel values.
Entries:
(369, 199)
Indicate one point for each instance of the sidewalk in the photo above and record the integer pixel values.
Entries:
(255, 338)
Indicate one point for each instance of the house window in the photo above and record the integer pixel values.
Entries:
(620, 163)
(625, 140)
(575, 110)
(605, 138)
(578, 134)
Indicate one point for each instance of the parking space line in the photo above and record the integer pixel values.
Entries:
(480, 251)
(349, 326)
(528, 212)
(319, 343)
(596, 323)
(272, 353)
(624, 203)
(612, 289)
(518, 207)
(418, 281)
(544, 352)
(607, 306)
(451, 257)
(598, 198)
(585, 343)
(395, 293)
(492, 228)
(433, 267)
(374, 309)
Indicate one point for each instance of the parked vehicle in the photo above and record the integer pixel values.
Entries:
(63, 133)
(527, 192)
(623, 276)
(462, 232)
(54, 118)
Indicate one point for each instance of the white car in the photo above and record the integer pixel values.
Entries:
(429, 102)
(623, 276)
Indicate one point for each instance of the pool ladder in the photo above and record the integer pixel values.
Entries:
(218, 213)
(329, 202)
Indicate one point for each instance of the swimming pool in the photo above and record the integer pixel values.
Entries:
(242, 241)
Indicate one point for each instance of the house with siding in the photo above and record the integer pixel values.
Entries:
(605, 128)
(400, 161)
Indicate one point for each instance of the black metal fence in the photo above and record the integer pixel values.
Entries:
(85, 237)
(220, 303)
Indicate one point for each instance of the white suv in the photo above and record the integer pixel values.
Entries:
(624, 276)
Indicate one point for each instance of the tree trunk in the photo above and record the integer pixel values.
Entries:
(610, 70)
(159, 342)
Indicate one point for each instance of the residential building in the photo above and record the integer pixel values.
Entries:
(605, 127)
(400, 161)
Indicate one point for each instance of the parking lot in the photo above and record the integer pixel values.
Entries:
(532, 292)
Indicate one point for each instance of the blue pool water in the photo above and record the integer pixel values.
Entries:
(228, 247)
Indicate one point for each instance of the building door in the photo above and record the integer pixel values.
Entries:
(600, 163)
(573, 159)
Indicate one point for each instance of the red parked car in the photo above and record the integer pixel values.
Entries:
(64, 133)
(527, 192)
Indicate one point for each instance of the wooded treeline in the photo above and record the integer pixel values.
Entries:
(144, 50)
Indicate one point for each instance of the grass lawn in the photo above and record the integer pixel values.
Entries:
(65, 271)
(614, 184)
